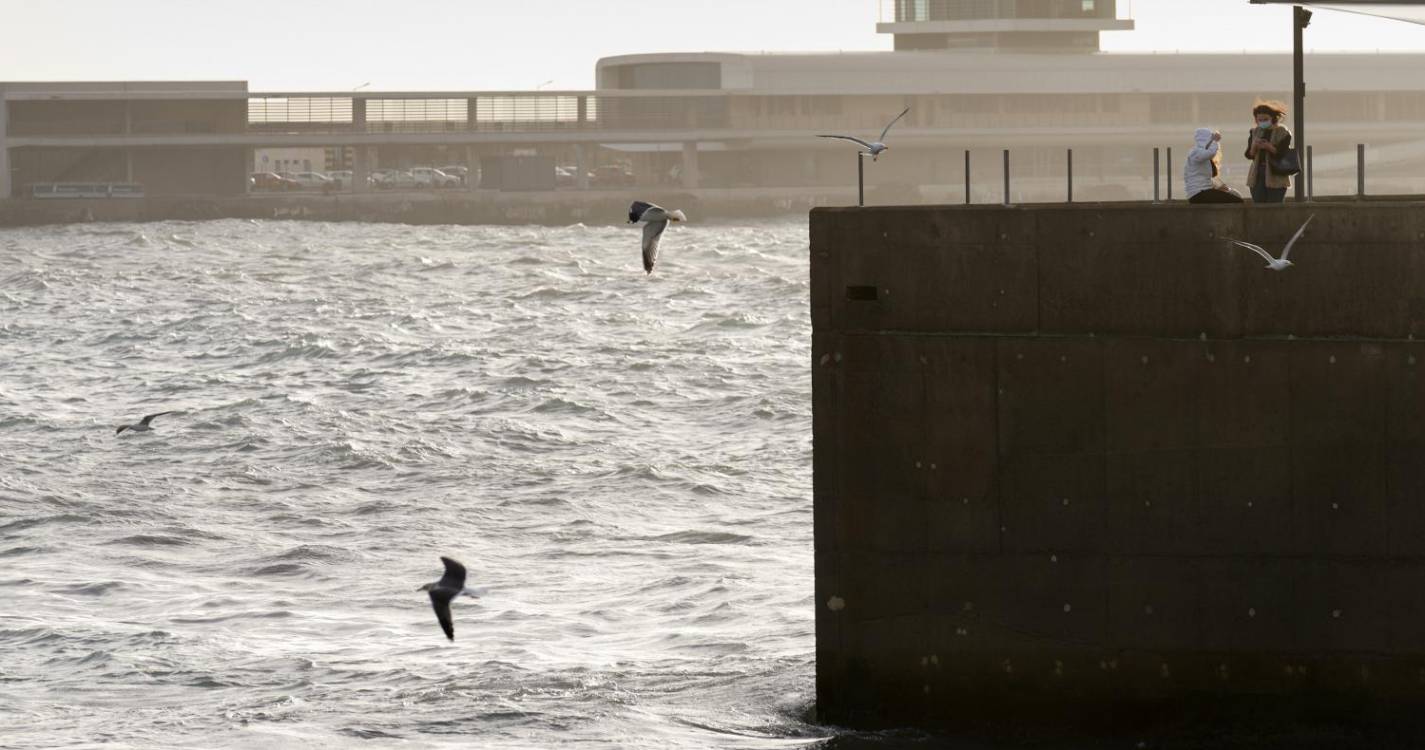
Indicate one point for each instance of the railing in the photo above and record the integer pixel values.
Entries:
(624, 111)
(64, 190)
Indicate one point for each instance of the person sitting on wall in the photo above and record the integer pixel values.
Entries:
(1201, 171)
(1267, 140)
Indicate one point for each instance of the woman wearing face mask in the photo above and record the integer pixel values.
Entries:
(1268, 140)
(1200, 172)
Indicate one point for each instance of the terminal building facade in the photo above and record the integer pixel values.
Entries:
(980, 76)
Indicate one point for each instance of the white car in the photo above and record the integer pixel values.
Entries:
(311, 180)
(455, 170)
(341, 179)
(429, 177)
(392, 179)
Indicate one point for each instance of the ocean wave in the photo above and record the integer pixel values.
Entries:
(702, 537)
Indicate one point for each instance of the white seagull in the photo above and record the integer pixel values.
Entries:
(450, 585)
(142, 425)
(876, 147)
(1276, 264)
(655, 220)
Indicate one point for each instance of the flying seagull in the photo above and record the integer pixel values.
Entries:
(450, 585)
(143, 424)
(874, 148)
(1276, 264)
(655, 220)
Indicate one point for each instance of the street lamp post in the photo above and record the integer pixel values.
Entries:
(1300, 19)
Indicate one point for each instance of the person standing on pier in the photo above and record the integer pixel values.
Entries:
(1268, 140)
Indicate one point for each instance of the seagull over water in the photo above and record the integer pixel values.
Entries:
(1276, 264)
(655, 220)
(143, 425)
(875, 147)
(450, 585)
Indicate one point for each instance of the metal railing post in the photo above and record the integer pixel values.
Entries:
(1006, 177)
(1070, 173)
(1169, 171)
(860, 179)
(1310, 174)
(1360, 170)
(1155, 174)
(967, 176)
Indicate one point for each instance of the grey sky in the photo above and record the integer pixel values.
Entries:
(495, 44)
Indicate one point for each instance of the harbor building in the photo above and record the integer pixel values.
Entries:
(980, 77)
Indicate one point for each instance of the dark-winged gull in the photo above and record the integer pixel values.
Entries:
(143, 424)
(873, 148)
(655, 220)
(450, 585)
(1276, 264)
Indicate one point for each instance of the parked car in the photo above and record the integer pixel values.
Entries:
(393, 179)
(455, 170)
(312, 180)
(271, 181)
(429, 177)
(612, 175)
(566, 176)
(341, 179)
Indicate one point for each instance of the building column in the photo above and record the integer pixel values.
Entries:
(581, 161)
(4, 148)
(248, 156)
(128, 165)
(361, 158)
(358, 115)
(472, 168)
(690, 175)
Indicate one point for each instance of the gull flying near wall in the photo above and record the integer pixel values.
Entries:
(1276, 264)
(876, 147)
(655, 219)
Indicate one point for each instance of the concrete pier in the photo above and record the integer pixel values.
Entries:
(1077, 463)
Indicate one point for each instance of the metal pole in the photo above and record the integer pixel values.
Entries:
(1006, 177)
(1156, 166)
(1360, 169)
(1169, 170)
(860, 179)
(967, 176)
(1310, 174)
(1071, 176)
(1300, 18)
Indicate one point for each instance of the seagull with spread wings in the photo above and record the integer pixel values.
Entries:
(875, 147)
(655, 219)
(143, 425)
(442, 592)
(1276, 264)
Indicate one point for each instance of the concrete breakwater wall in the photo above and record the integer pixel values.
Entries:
(1070, 459)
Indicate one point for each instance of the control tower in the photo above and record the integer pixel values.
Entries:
(1018, 26)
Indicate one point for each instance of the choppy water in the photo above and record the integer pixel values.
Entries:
(622, 462)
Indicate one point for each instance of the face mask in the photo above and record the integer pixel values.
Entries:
(1264, 125)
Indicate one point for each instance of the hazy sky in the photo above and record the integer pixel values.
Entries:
(521, 44)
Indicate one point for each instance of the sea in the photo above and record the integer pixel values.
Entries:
(622, 461)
